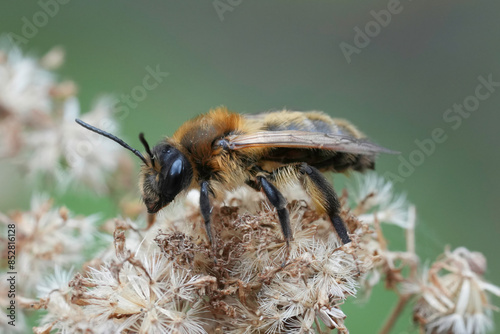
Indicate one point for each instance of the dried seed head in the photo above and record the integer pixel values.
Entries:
(453, 296)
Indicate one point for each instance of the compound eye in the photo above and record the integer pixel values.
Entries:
(176, 168)
(174, 179)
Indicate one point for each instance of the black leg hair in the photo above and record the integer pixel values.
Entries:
(279, 202)
(331, 202)
(321, 191)
(206, 209)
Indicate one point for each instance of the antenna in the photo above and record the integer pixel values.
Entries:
(146, 146)
(113, 138)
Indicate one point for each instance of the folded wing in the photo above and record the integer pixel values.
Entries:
(305, 140)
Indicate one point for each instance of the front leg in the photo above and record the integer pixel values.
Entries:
(206, 209)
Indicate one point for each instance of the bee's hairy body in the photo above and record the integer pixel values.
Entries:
(198, 139)
(226, 170)
(222, 150)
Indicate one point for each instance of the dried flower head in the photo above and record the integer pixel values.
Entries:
(47, 237)
(64, 315)
(37, 128)
(144, 294)
(24, 85)
(176, 283)
(453, 296)
(24, 96)
(170, 280)
(374, 202)
(374, 199)
(68, 154)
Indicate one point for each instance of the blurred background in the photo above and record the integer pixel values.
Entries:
(395, 78)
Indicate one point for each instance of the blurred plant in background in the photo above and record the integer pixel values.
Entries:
(168, 279)
(37, 128)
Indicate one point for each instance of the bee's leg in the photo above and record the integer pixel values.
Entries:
(206, 209)
(279, 202)
(321, 191)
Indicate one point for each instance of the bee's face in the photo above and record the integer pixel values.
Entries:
(170, 174)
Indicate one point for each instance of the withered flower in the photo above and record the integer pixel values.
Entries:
(453, 295)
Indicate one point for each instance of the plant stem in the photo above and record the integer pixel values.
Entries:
(318, 326)
(396, 312)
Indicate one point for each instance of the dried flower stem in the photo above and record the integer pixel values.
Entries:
(396, 312)
(318, 326)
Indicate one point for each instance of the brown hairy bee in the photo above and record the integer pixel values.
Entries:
(222, 150)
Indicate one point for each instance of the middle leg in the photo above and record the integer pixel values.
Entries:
(279, 202)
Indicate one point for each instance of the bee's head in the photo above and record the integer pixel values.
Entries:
(165, 175)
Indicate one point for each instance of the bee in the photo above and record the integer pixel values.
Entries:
(222, 150)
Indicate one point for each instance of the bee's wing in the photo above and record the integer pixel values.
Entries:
(307, 140)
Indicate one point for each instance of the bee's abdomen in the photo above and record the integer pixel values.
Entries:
(312, 121)
(324, 160)
(296, 121)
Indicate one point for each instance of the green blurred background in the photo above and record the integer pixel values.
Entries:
(261, 55)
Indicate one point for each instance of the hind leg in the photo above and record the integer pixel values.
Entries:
(320, 190)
